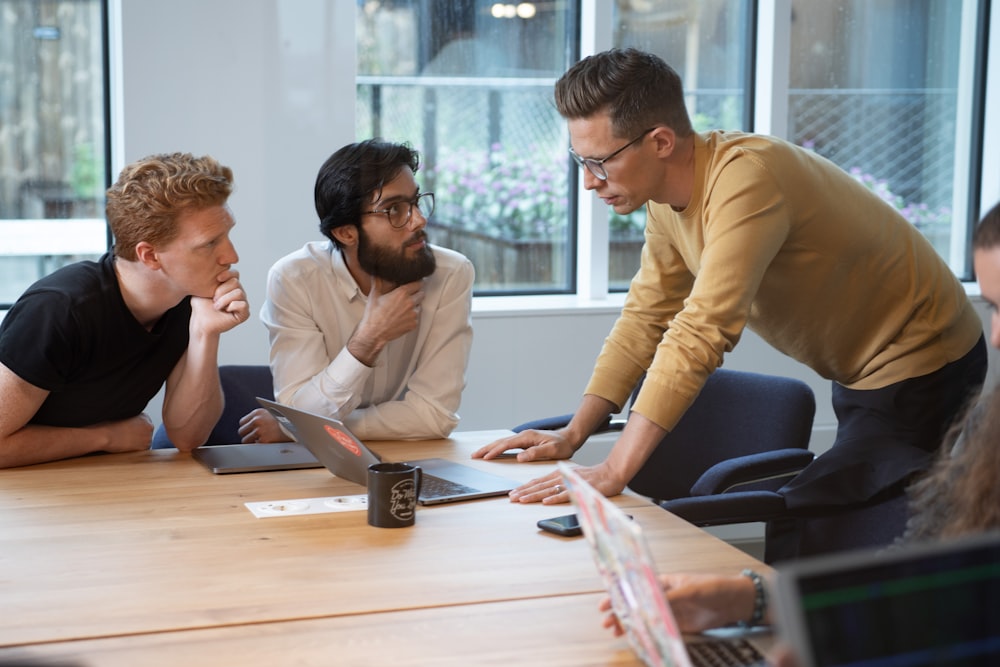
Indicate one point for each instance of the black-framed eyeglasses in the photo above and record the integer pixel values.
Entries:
(596, 166)
(399, 213)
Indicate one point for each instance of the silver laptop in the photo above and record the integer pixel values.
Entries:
(931, 604)
(623, 559)
(225, 459)
(333, 444)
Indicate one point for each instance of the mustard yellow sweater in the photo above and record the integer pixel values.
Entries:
(779, 239)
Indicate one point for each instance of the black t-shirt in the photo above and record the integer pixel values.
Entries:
(72, 334)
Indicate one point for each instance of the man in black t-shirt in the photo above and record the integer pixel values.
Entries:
(84, 349)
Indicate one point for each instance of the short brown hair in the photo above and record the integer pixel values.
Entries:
(987, 233)
(151, 193)
(637, 89)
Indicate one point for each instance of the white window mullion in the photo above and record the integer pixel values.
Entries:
(965, 98)
(116, 86)
(596, 35)
(592, 246)
(774, 26)
(596, 31)
(990, 186)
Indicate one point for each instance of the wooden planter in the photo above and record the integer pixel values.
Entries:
(511, 263)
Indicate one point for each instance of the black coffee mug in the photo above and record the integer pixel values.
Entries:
(393, 489)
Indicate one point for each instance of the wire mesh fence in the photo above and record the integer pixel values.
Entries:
(495, 153)
(904, 137)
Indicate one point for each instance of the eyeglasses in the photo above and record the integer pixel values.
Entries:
(595, 166)
(399, 213)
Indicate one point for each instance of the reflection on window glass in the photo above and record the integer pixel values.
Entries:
(469, 84)
(873, 87)
(52, 152)
(705, 41)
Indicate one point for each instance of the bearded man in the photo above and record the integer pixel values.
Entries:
(371, 326)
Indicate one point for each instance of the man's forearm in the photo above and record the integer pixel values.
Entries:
(39, 444)
(637, 442)
(193, 400)
(365, 348)
(591, 413)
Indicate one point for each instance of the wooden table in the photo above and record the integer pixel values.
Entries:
(108, 557)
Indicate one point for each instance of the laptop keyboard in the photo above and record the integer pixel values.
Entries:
(728, 653)
(435, 487)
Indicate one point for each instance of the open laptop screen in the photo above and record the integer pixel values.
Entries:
(931, 605)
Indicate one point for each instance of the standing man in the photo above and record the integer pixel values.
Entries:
(371, 326)
(750, 231)
(957, 497)
(84, 349)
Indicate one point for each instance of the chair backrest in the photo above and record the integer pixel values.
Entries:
(241, 385)
(737, 413)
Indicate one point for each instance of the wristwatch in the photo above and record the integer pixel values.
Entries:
(759, 599)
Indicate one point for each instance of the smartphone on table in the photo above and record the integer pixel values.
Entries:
(566, 525)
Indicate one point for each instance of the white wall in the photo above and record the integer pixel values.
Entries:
(255, 86)
(269, 92)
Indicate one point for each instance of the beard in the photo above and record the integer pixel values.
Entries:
(392, 265)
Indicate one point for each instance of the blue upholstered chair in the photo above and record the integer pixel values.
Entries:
(745, 435)
(744, 432)
(743, 438)
(241, 385)
(756, 418)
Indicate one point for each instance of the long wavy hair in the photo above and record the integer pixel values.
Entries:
(960, 494)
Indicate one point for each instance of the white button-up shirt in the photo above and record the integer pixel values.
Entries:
(414, 389)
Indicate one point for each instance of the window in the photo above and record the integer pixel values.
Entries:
(875, 87)
(707, 43)
(469, 84)
(53, 152)
(892, 91)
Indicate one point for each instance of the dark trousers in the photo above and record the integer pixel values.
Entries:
(884, 437)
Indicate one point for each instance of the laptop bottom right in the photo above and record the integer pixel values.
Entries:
(622, 556)
(932, 604)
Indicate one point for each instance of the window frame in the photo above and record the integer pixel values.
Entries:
(769, 47)
(767, 93)
(73, 231)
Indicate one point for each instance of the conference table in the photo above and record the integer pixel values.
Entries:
(148, 558)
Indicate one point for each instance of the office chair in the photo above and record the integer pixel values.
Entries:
(241, 385)
(745, 433)
(739, 443)
(724, 463)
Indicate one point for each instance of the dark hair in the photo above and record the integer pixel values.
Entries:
(959, 495)
(348, 178)
(987, 233)
(637, 89)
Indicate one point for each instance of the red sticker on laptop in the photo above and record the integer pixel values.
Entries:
(344, 440)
